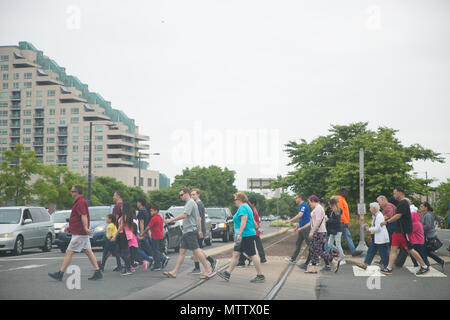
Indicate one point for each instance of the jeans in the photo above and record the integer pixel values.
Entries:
(110, 246)
(157, 255)
(433, 256)
(422, 250)
(382, 250)
(145, 245)
(338, 247)
(348, 238)
(302, 235)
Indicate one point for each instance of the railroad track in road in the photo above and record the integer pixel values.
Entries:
(198, 283)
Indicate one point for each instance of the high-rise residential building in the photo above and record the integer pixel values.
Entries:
(51, 112)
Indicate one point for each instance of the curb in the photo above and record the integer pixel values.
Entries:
(228, 248)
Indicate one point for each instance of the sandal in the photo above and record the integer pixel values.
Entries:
(169, 275)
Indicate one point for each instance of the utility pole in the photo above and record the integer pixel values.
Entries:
(90, 165)
(361, 206)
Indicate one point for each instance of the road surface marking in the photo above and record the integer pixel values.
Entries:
(432, 274)
(370, 271)
(32, 266)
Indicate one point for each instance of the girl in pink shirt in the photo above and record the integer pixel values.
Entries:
(417, 237)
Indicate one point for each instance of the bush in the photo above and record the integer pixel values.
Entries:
(281, 223)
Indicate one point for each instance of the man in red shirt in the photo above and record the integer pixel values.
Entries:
(389, 211)
(79, 227)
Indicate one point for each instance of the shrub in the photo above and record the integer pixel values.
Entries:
(281, 223)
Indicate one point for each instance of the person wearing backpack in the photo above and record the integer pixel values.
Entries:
(334, 229)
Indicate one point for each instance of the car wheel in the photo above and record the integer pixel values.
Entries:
(226, 236)
(48, 243)
(18, 246)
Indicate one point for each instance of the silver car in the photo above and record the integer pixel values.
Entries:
(24, 228)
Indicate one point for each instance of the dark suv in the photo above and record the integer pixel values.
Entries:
(222, 225)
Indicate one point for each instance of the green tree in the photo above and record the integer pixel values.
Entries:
(103, 189)
(330, 162)
(16, 172)
(261, 204)
(287, 207)
(165, 198)
(442, 208)
(216, 183)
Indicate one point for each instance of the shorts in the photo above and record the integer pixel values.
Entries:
(79, 243)
(189, 240)
(248, 246)
(401, 241)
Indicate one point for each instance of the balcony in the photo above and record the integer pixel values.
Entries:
(38, 143)
(15, 105)
(39, 115)
(15, 96)
(15, 124)
(38, 133)
(15, 133)
(62, 133)
(39, 124)
(15, 115)
(61, 161)
(71, 99)
(62, 142)
(49, 82)
(62, 152)
(96, 117)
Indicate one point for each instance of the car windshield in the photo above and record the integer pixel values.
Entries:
(98, 214)
(60, 217)
(216, 213)
(9, 216)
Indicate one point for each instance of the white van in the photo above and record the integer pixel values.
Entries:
(24, 228)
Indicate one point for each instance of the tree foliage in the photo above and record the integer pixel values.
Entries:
(287, 207)
(442, 208)
(330, 162)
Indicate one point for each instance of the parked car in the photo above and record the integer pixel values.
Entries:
(24, 228)
(59, 219)
(97, 217)
(172, 232)
(175, 211)
(221, 223)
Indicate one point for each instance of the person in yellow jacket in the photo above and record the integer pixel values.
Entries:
(345, 219)
(110, 245)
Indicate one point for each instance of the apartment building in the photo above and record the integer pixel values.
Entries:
(56, 115)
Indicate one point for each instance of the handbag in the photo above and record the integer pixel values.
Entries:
(433, 244)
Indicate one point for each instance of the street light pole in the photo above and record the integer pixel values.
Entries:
(90, 164)
(361, 206)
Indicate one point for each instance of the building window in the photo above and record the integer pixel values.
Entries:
(75, 139)
(26, 140)
(62, 121)
(39, 103)
(86, 147)
(27, 112)
(98, 128)
(5, 85)
(51, 121)
(98, 138)
(62, 111)
(27, 122)
(75, 120)
(134, 180)
(50, 158)
(75, 157)
(156, 181)
(149, 182)
(28, 103)
(51, 130)
(3, 140)
(3, 113)
(16, 76)
(51, 102)
(74, 148)
(3, 122)
(51, 93)
(86, 157)
(86, 129)
(4, 104)
(39, 93)
(50, 149)
(98, 148)
(75, 129)
(75, 166)
(5, 76)
(98, 157)
(52, 112)
(28, 75)
(29, 94)
(75, 110)
(98, 166)
(4, 58)
(3, 132)
(51, 140)
(27, 84)
(86, 139)
(15, 85)
(4, 67)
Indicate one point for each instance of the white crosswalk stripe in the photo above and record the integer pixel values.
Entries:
(370, 271)
(32, 266)
(432, 274)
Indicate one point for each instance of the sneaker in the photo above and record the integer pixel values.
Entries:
(442, 265)
(423, 270)
(144, 265)
(214, 265)
(263, 260)
(386, 270)
(57, 275)
(342, 262)
(326, 268)
(240, 265)
(224, 275)
(117, 269)
(126, 273)
(362, 265)
(303, 266)
(258, 279)
(97, 275)
(380, 263)
(356, 253)
(155, 268)
(290, 260)
(196, 271)
(250, 263)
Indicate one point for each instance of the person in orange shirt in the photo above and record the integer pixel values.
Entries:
(345, 219)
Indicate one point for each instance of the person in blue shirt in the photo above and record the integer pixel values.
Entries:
(303, 217)
(245, 236)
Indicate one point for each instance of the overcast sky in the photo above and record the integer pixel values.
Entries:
(197, 74)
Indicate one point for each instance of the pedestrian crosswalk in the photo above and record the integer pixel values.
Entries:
(375, 271)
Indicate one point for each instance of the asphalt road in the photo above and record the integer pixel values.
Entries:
(25, 276)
